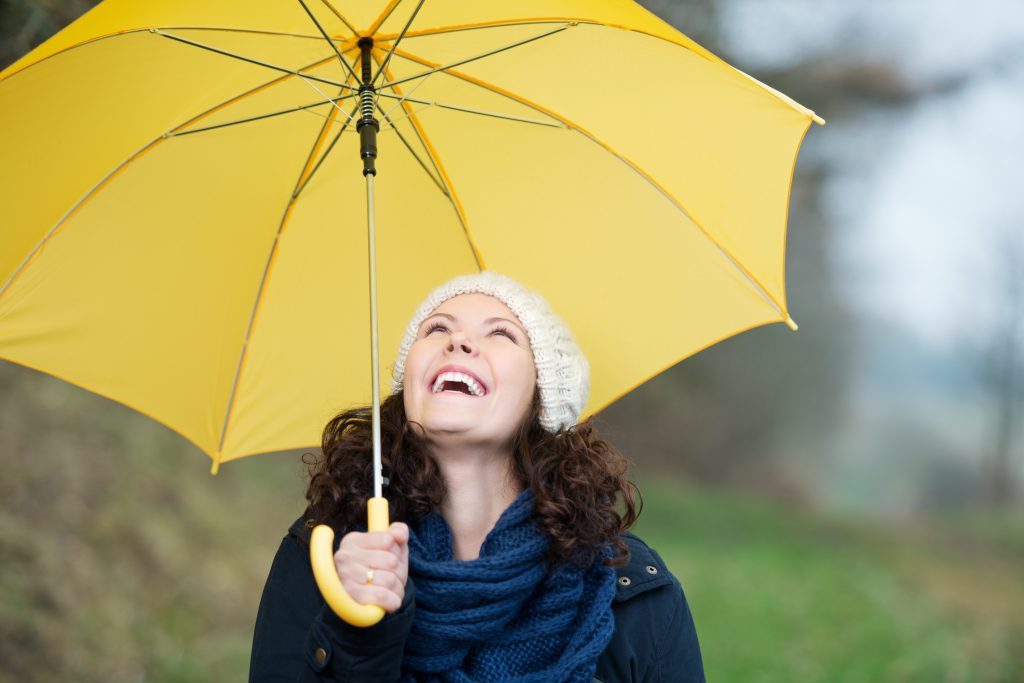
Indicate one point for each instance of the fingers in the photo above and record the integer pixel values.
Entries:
(399, 532)
(387, 554)
(389, 600)
(386, 590)
(373, 540)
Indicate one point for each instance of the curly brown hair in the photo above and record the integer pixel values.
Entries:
(578, 480)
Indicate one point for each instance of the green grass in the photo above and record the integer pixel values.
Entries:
(780, 594)
(122, 559)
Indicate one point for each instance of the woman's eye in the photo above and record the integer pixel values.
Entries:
(435, 327)
(504, 332)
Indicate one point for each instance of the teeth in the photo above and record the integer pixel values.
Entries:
(474, 386)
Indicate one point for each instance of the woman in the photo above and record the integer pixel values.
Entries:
(510, 560)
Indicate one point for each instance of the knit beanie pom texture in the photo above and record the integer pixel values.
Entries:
(563, 376)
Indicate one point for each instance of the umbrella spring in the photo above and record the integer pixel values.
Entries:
(366, 103)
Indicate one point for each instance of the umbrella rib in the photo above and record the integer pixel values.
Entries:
(384, 16)
(416, 156)
(350, 118)
(341, 17)
(176, 132)
(328, 99)
(304, 107)
(330, 147)
(642, 173)
(448, 190)
(271, 257)
(440, 30)
(330, 42)
(403, 97)
(470, 110)
(397, 40)
(467, 60)
(573, 21)
(154, 31)
(250, 60)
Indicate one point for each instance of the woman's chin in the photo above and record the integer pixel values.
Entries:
(450, 429)
(461, 435)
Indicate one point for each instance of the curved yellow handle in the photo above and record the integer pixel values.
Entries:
(321, 556)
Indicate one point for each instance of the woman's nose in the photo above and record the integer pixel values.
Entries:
(459, 341)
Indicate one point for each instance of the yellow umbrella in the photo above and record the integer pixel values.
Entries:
(184, 214)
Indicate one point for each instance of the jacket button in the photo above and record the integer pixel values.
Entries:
(652, 570)
(624, 581)
(320, 656)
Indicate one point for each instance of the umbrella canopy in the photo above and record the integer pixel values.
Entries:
(184, 214)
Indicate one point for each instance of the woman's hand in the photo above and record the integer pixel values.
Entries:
(386, 553)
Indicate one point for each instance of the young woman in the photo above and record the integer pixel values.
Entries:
(510, 560)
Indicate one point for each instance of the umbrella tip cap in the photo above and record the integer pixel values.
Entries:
(792, 324)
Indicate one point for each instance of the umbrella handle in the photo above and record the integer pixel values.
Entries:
(321, 556)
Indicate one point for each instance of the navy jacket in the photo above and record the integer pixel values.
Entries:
(299, 639)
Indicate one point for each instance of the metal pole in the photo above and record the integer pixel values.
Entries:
(374, 354)
(368, 128)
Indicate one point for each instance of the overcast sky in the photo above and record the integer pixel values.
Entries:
(923, 193)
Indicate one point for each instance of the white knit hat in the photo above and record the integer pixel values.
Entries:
(563, 376)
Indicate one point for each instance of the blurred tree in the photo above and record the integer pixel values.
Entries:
(1003, 366)
(759, 409)
(764, 408)
(696, 18)
(26, 23)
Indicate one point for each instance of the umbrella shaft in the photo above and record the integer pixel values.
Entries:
(374, 352)
(368, 127)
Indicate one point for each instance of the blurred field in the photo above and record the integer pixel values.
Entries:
(122, 559)
(781, 594)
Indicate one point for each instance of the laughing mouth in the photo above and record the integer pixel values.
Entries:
(459, 382)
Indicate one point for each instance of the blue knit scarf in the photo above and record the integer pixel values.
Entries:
(505, 616)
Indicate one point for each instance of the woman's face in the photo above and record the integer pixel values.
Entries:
(469, 376)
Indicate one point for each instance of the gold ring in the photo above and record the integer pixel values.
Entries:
(369, 577)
